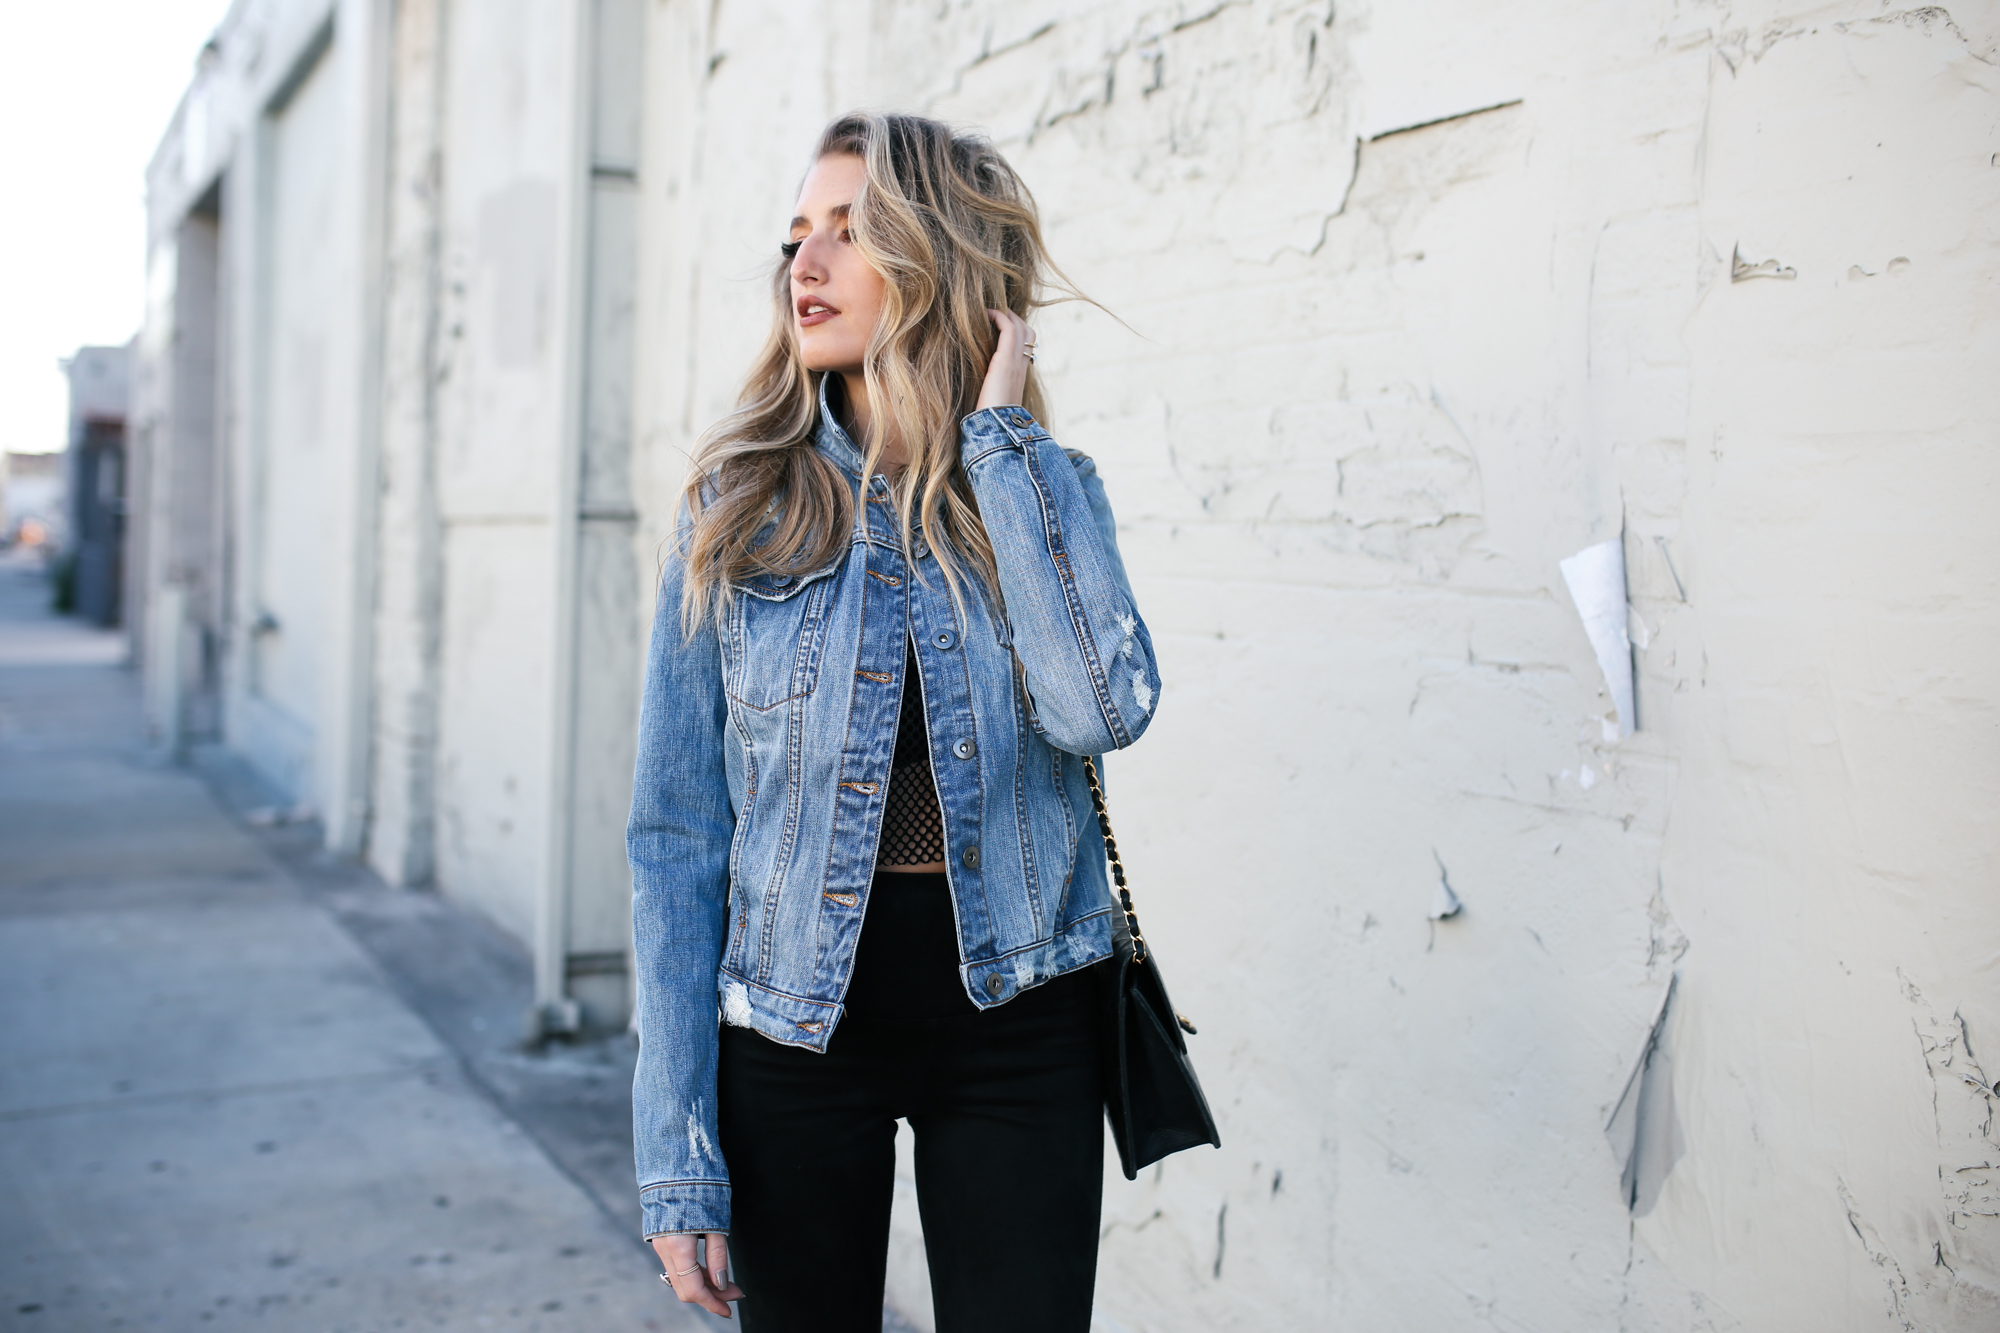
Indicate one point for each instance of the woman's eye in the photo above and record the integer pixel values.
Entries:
(790, 249)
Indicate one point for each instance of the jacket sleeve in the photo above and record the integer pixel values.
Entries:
(1092, 681)
(678, 840)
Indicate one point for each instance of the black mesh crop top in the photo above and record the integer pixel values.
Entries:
(912, 827)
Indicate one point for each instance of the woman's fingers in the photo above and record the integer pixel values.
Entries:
(1007, 374)
(694, 1290)
(693, 1281)
(718, 1268)
(1015, 335)
(676, 1252)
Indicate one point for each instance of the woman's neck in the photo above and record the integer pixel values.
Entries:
(860, 417)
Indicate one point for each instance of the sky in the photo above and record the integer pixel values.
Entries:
(86, 89)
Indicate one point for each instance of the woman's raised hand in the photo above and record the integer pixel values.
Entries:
(698, 1283)
(1007, 376)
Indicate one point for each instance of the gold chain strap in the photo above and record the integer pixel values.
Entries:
(1117, 864)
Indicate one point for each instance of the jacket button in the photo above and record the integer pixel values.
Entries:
(964, 748)
(1020, 420)
(944, 639)
(781, 580)
(970, 857)
(994, 985)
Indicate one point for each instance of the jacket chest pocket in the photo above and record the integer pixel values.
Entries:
(777, 636)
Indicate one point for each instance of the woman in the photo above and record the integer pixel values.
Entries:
(861, 834)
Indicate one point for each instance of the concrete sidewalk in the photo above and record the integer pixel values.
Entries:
(221, 1106)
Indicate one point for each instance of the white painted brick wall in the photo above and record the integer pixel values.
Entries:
(1378, 381)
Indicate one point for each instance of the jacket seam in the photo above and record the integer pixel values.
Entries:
(1006, 441)
(802, 999)
(964, 666)
(1004, 446)
(1043, 942)
(789, 838)
(1023, 826)
(1070, 826)
(815, 1044)
(734, 939)
(1065, 577)
(820, 956)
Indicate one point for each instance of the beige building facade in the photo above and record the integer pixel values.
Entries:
(386, 541)
(1553, 446)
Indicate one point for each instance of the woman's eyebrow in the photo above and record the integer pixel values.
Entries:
(838, 213)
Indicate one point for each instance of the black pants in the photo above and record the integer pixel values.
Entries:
(1009, 1126)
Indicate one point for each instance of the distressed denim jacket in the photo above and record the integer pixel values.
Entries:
(764, 753)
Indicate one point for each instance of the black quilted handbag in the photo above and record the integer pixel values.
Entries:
(1151, 1096)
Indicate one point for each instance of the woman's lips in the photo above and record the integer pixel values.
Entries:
(812, 310)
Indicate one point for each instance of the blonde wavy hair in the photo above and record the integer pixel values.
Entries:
(953, 232)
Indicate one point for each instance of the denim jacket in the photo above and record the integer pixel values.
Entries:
(764, 754)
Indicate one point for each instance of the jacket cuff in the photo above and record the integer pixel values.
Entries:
(993, 429)
(684, 1206)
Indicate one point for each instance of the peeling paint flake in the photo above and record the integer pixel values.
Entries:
(1444, 900)
(1644, 1131)
(1739, 271)
(1380, 135)
(1596, 579)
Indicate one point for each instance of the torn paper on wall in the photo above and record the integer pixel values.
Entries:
(1596, 579)
(1645, 1132)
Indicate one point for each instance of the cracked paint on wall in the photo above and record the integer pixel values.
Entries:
(1422, 299)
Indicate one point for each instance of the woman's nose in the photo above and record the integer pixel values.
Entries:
(806, 264)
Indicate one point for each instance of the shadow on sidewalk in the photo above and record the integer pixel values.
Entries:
(472, 983)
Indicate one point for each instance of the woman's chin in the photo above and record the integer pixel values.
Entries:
(830, 365)
(827, 356)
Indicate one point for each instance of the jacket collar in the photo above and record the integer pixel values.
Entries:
(832, 439)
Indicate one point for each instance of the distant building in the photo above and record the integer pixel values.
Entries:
(31, 499)
(95, 472)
